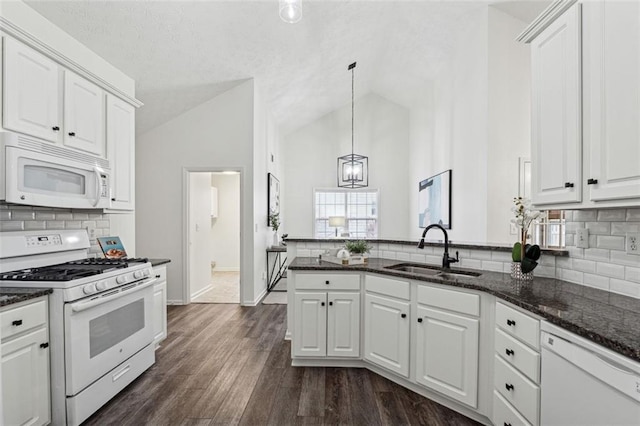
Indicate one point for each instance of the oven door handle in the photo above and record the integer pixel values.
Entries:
(98, 186)
(83, 306)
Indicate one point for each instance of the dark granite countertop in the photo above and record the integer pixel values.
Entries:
(609, 319)
(158, 262)
(452, 244)
(11, 295)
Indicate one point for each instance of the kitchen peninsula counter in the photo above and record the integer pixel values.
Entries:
(609, 319)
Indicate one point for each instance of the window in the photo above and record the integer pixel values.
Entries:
(358, 207)
(549, 233)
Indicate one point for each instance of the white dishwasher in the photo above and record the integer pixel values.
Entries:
(583, 383)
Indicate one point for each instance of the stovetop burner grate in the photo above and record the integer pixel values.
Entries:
(71, 270)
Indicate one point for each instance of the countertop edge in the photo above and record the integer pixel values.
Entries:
(158, 262)
(18, 295)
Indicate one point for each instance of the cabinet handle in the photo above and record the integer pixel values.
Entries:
(113, 199)
(17, 322)
(322, 304)
(509, 386)
(158, 276)
(403, 315)
(568, 185)
(510, 322)
(44, 345)
(55, 128)
(72, 133)
(330, 303)
(509, 352)
(507, 424)
(592, 181)
(419, 319)
(327, 282)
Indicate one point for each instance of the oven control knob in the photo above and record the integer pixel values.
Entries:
(89, 288)
(138, 274)
(121, 279)
(102, 285)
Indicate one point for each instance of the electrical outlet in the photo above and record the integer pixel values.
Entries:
(582, 238)
(633, 243)
(91, 230)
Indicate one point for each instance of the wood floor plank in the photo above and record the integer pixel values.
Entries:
(390, 409)
(263, 396)
(337, 401)
(363, 405)
(312, 393)
(285, 407)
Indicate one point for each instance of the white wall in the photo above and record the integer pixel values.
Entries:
(218, 133)
(509, 120)
(225, 229)
(200, 243)
(381, 133)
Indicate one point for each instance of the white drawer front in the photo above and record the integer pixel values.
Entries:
(452, 300)
(388, 287)
(160, 272)
(22, 318)
(504, 414)
(519, 355)
(327, 281)
(519, 391)
(518, 324)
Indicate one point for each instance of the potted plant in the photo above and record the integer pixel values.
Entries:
(274, 223)
(524, 255)
(358, 248)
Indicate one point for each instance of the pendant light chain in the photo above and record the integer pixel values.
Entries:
(352, 108)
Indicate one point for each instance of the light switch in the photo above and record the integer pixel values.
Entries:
(582, 238)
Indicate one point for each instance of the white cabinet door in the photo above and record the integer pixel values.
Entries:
(612, 99)
(31, 92)
(25, 380)
(310, 329)
(83, 115)
(159, 312)
(386, 341)
(343, 324)
(556, 143)
(447, 354)
(121, 148)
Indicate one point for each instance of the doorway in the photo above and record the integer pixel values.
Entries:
(214, 223)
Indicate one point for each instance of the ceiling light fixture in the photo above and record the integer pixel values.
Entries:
(290, 10)
(353, 169)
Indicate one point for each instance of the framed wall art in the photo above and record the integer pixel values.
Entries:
(273, 196)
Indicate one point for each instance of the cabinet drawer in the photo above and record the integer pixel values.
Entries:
(327, 281)
(160, 272)
(518, 325)
(519, 355)
(452, 300)
(388, 287)
(22, 318)
(519, 391)
(504, 414)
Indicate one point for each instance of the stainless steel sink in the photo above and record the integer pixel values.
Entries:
(433, 271)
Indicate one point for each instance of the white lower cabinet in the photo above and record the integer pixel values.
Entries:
(160, 305)
(310, 335)
(447, 354)
(25, 364)
(343, 324)
(386, 339)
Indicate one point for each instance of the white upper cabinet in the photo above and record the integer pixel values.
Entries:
(31, 92)
(612, 99)
(556, 112)
(121, 146)
(83, 115)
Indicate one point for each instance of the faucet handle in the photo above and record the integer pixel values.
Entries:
(454, 259)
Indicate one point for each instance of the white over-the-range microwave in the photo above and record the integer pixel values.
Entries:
(39, 173)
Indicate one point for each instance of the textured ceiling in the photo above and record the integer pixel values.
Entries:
(183, 53)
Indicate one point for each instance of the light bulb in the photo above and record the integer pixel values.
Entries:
(290, 10)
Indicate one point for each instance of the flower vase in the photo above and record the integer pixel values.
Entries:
(276, 239)
(517, 274)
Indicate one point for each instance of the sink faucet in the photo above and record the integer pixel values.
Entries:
(446, 260)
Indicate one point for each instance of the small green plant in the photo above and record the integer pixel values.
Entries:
(274, 221)
(522, 252)
(357, 246)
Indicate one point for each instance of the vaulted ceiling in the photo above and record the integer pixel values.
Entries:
(183, 53)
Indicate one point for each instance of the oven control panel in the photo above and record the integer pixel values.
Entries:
(44, 240)
(107, 282)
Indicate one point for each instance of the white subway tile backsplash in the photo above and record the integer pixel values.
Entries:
(547, 260)
(625, 287)
(31, 225)
(541, 271)
(102, 223)
(471, 263)
(599, 228)
(403, 256)
(303, 252)
(575, 253)
(501, 256)
(419, 258)
(45, 216)
(80, 216)
(610, 270)
(5, 215)
(73, 224)
(11, 226)
(596, 281)
(23, 215)
(572, 276)
(571, 227)
(89, 224)
(55, 224)
(584, 265)
(610, 242)
(490, 265)
(613, 215)
(622, 228)
(585, 215)
(569, 239)
(633, 215)
(64, 216)
(479, 254)
(389, 254)
(434, 260)
(632, 274)
(596, 254)
(622, 258)
(568, 215)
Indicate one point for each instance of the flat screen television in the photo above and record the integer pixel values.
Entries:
(434, 200)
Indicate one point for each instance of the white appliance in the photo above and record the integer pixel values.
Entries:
(585, 384)
(100, 316)
(40, 173)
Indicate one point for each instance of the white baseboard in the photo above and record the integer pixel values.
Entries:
(199, 292)
(226, 269)
(175, 302)
(257, 300)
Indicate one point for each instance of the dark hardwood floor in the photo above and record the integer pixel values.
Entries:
(225, 364)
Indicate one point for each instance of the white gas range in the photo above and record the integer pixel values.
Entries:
(100, 316)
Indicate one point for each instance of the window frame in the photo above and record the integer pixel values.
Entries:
(346, 192)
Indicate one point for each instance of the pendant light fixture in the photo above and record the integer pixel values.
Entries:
(353, 168)
(290, 10)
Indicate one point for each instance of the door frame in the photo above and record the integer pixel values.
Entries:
(186, 225)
